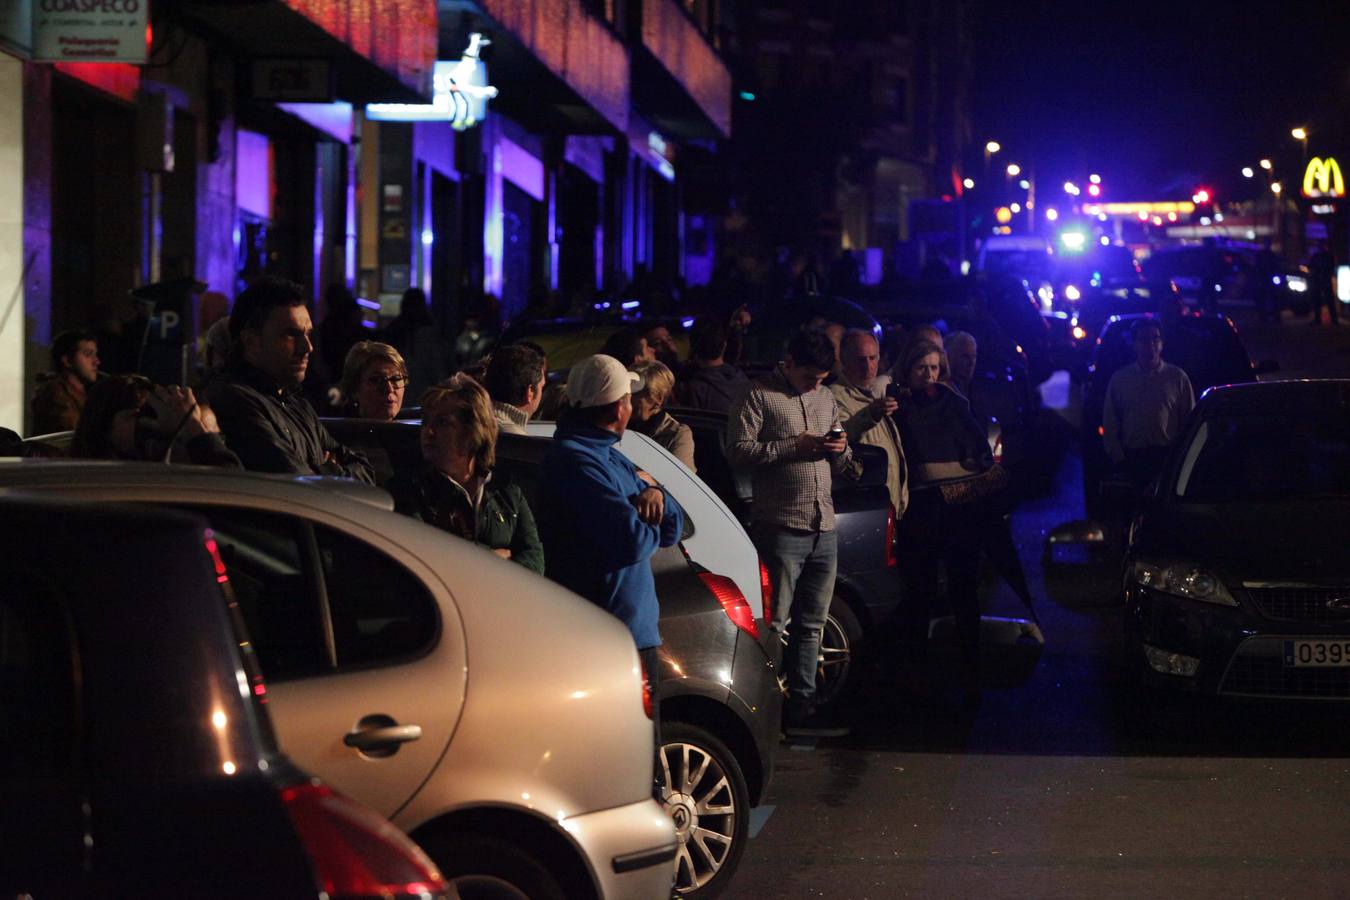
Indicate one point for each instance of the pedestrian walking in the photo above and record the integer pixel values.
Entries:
(786, 430)
(1146, 403)
(458, 489)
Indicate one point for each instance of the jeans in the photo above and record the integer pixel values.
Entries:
(802, 566)
(940, 540)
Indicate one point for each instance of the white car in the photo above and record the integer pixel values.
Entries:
(494, 716)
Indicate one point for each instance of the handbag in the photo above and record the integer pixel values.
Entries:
(970, 490)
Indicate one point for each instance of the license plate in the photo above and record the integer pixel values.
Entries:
(1317, 654)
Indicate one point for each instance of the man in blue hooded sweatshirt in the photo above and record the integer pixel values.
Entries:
(601, 519)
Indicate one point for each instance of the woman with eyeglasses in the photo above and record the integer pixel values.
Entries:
(129, 417)
(457, 488)
(374, 380)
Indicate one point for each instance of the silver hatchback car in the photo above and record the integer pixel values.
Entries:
(492, 715)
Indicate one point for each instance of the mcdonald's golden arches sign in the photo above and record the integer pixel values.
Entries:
(1323, 178)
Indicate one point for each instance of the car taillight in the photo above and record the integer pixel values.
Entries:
(765, 591)
(891, 561)
(646, 691)
(733, 602)
(354, 852)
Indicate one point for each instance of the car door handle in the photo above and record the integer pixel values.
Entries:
(382, 738)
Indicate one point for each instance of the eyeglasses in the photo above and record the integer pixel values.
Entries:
(397, 382)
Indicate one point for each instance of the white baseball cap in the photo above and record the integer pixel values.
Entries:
(600, 380)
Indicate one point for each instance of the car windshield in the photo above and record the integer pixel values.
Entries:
(1273, 456)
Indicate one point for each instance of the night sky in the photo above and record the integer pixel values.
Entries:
(1161, 97)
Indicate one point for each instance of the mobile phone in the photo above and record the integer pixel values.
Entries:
(835, 434)
(893, 391)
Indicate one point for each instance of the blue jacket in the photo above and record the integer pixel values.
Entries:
(594, 542)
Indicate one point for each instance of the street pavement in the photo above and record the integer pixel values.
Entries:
(1050, 788)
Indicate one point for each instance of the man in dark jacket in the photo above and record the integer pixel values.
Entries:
(708, 381)
(600, 518)
(257, 400)
(60, 395)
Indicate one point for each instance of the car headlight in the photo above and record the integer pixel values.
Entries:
(1183, 580)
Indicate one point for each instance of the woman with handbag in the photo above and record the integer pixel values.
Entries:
(952, 473)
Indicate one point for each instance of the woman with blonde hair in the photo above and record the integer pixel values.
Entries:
(374, 380)
(650, 417)
(456, 489)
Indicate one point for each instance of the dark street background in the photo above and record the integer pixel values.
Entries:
(1046, 789)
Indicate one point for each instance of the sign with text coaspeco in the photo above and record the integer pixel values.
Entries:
(98, 31)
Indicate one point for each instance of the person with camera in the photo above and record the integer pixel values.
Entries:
(866, 409)
(128, 417)
(786, 429)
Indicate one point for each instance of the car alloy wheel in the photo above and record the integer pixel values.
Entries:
(704, 793)
(834, 662)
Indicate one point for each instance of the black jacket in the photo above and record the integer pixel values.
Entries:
(715, 389)
(274, 429)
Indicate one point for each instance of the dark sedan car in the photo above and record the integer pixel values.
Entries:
(1237, 581)
(139, 759)
(1206, 346)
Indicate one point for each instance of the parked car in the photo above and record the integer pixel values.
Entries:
(720, 703)
(1206, 346)
(867, 586)
(1237, 582)
(467, 699)
(141, 759)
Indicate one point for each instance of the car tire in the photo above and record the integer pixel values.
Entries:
(840, 642)
(711, 813)
(489, 868)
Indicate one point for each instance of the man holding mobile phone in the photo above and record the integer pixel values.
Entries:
(867, 418)
(786, 429)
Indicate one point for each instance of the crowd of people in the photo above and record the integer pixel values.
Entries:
(595, 520)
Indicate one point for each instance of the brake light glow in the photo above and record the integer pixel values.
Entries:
(733, 602)
(355, 853)
(765, 591)
(891, 561)
(646, 691)
(214, 550)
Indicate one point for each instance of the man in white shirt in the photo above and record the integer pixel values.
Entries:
(1146, 404)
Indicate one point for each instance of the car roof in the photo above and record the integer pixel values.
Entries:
(334, 494)
(1288, 397)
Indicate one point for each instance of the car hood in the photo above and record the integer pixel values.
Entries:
(1292, 540)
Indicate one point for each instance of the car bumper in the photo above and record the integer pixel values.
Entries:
(758, 701)
(630, 849)
(1236, 651)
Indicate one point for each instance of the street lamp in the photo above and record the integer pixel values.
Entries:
(992, 147)
(1247, 172)
(1265, 164)
(968, 184)
(1276, 187)
(1300, 134)
(1014, 170)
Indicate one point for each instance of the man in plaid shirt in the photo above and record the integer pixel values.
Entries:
(781, 429)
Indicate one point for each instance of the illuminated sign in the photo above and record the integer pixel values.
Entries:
(460, 93)
(1323, 178)
(1184, 207)
(90, 31)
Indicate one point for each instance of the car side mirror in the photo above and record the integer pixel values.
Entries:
(1266, 367)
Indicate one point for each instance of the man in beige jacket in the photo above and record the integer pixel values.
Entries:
(866, 418)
